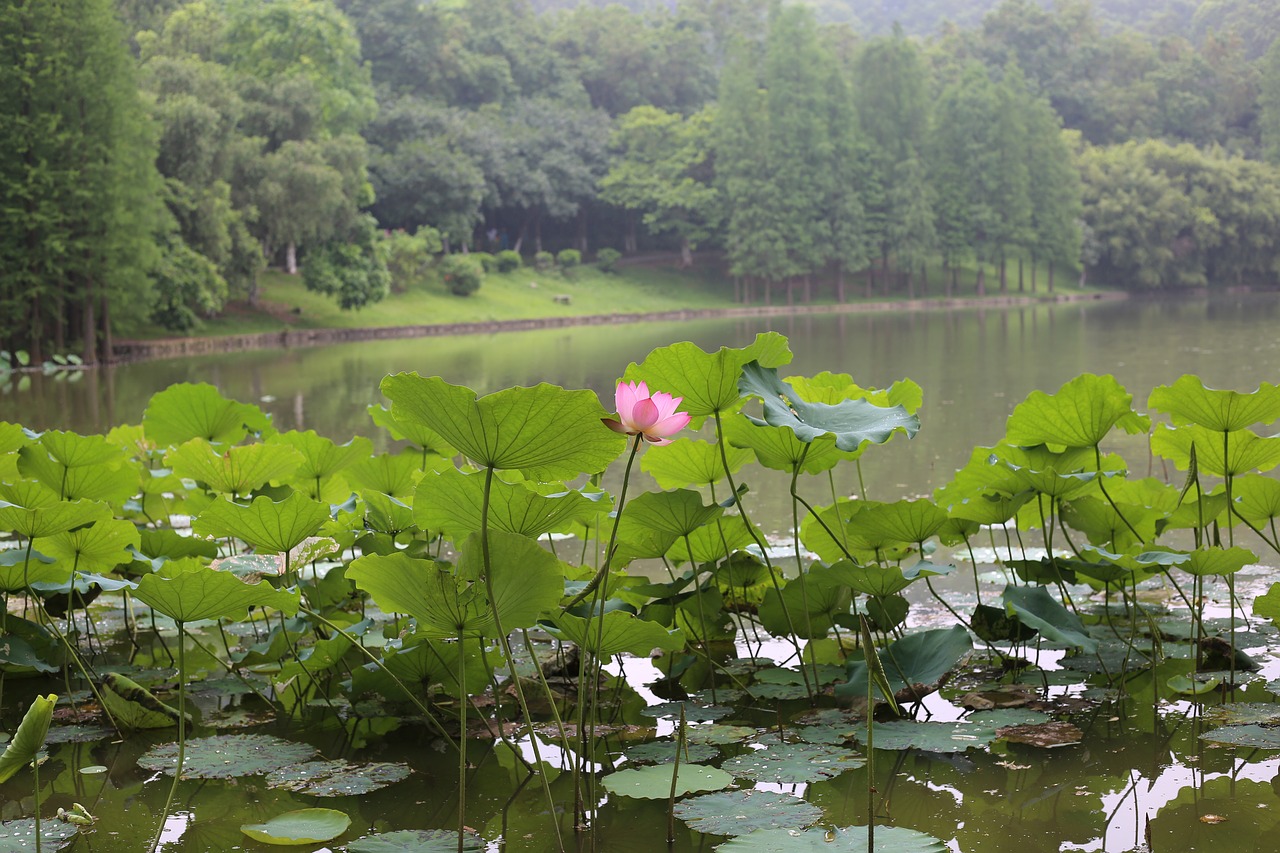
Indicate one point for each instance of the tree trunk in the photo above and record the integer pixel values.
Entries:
(89, 328)
(840, 283)
(1004, 273)
(911, 284)
(1022, 287)
(1033, 273)
(108, 341)
(59, 325)
(629, 239)
(35, 330)
(291, 258)
(953, 283)
(768, 291)
(686, 254)
(924, 280)
(524, 227)
(808, 289)
(791, 294)
(537, 233)
(980, 284)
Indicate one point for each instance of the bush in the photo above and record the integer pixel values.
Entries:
(607, 259)
(568, 258)
(544, 261)
(508, 261)
(409, 256)
(462, 274)
(487, 261)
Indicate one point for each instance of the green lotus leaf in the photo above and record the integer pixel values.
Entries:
(1080, 414)
(186, 411)
(851, 839)
(1195, 513)
(322, 457)
(1252, 736)
(236, 470)
(1188, 400)
(792, 763)
(79, 451)
(12, 436)
(1141, 563)
(740, 812)
(1217, 561)
(19, 836)
(453, 502)
(691, 462)
(187, 591)
(417, 841)
(426, 440)
(1192, 687)
(883, 580)
(813, 600)
(227, 756)
(394, 474)
(1238, 713)
(386, 514)
(777, 447)
(712, 542)
(163, 542)
(17, 655)
(1257, 497)
(664, 752)
(98, 547)
(1106, 524)
(1245, 451)
(942, 737)
(337, 778)
(680, 512)
(831, 531)
(741, 570)
(18, 573)
(614, 633)
(1267, 605)
(301, 826)
(265, 524)
(654, 783)
(914, 664)
(1058, 475)
(113, 481)
(904, 521)
(134, 707)
(544, 431)
(708, 382)
(25, 744)
(692, 711)
(852, 422)
(1035, 608)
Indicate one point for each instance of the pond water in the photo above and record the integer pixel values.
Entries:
(1140, 758)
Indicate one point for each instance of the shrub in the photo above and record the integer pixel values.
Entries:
(462, 274)
(607, 259)
(487, 261)
(568, 258)
(544, 261)
(409, 256)
(508, 261)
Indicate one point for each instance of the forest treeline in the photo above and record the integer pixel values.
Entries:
(156, 155)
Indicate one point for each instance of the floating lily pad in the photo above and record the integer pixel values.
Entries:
(654, 783)
(849, 839)
(1008, 717)
(664, 751)
(740, 812)
(337, 778)
(1237, 713)
(780, 692)
(302, 826)
(20, 835)
(1259, 737)
(417, 841)
(930, 737)
(719, 734)
(792, 762)
(692, 713)
(1046, 735)
(228, 756)
(87, 733)
(1002, 696)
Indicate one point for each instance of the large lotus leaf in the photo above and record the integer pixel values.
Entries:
(417, 841)
(323, 457)
(654, 783)
(337, 778)
(12, 436)
(265, 524)
(18, 573)
(113, 482)
(615, 633)
(1140, 563)
(1104, 524)
(301, 826)
(831, 531)
(227, 756)
(187, 591)
(98, 547)
(48, 518)
(443, 604)
(453, 502)
(1189, 401)
(163, 542)
(693, 713)
(545, 431)
(19, 655)
(664, 752)
(914, 664)
(385, 514)
(708, 382)
(19, 836)
(1080, 414)
(740, 812)
(250, 567)
(813, 600)
(428, 441)
(1035, 608)
(851, 422)
(991, 509)
(77, 451)
(883, 580)
(237, 470)
(394, 474)
(1217, 561)
(712, 542)
(777, 447)
(851, 839)
(1257, 497)
(792, 763)
(678, 512)
(902, 521)
(428, 662)
(27, 740)
(895, 735)
(1240, 713)
(1252, 736)
(134, 707)
(1267, 605)
(183, 412)
(1058, 475)
(691, 462)
(741, 570)
(828, 387)
(1245, 451)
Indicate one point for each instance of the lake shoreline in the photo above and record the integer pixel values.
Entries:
(160, 348)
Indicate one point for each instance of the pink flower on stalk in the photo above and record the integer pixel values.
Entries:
(651, 416)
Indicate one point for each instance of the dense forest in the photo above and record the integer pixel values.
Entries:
(157, 155)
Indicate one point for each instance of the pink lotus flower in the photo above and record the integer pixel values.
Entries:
(651, 416)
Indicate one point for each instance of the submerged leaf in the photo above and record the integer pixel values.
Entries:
(654, 783)
(302, 826)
